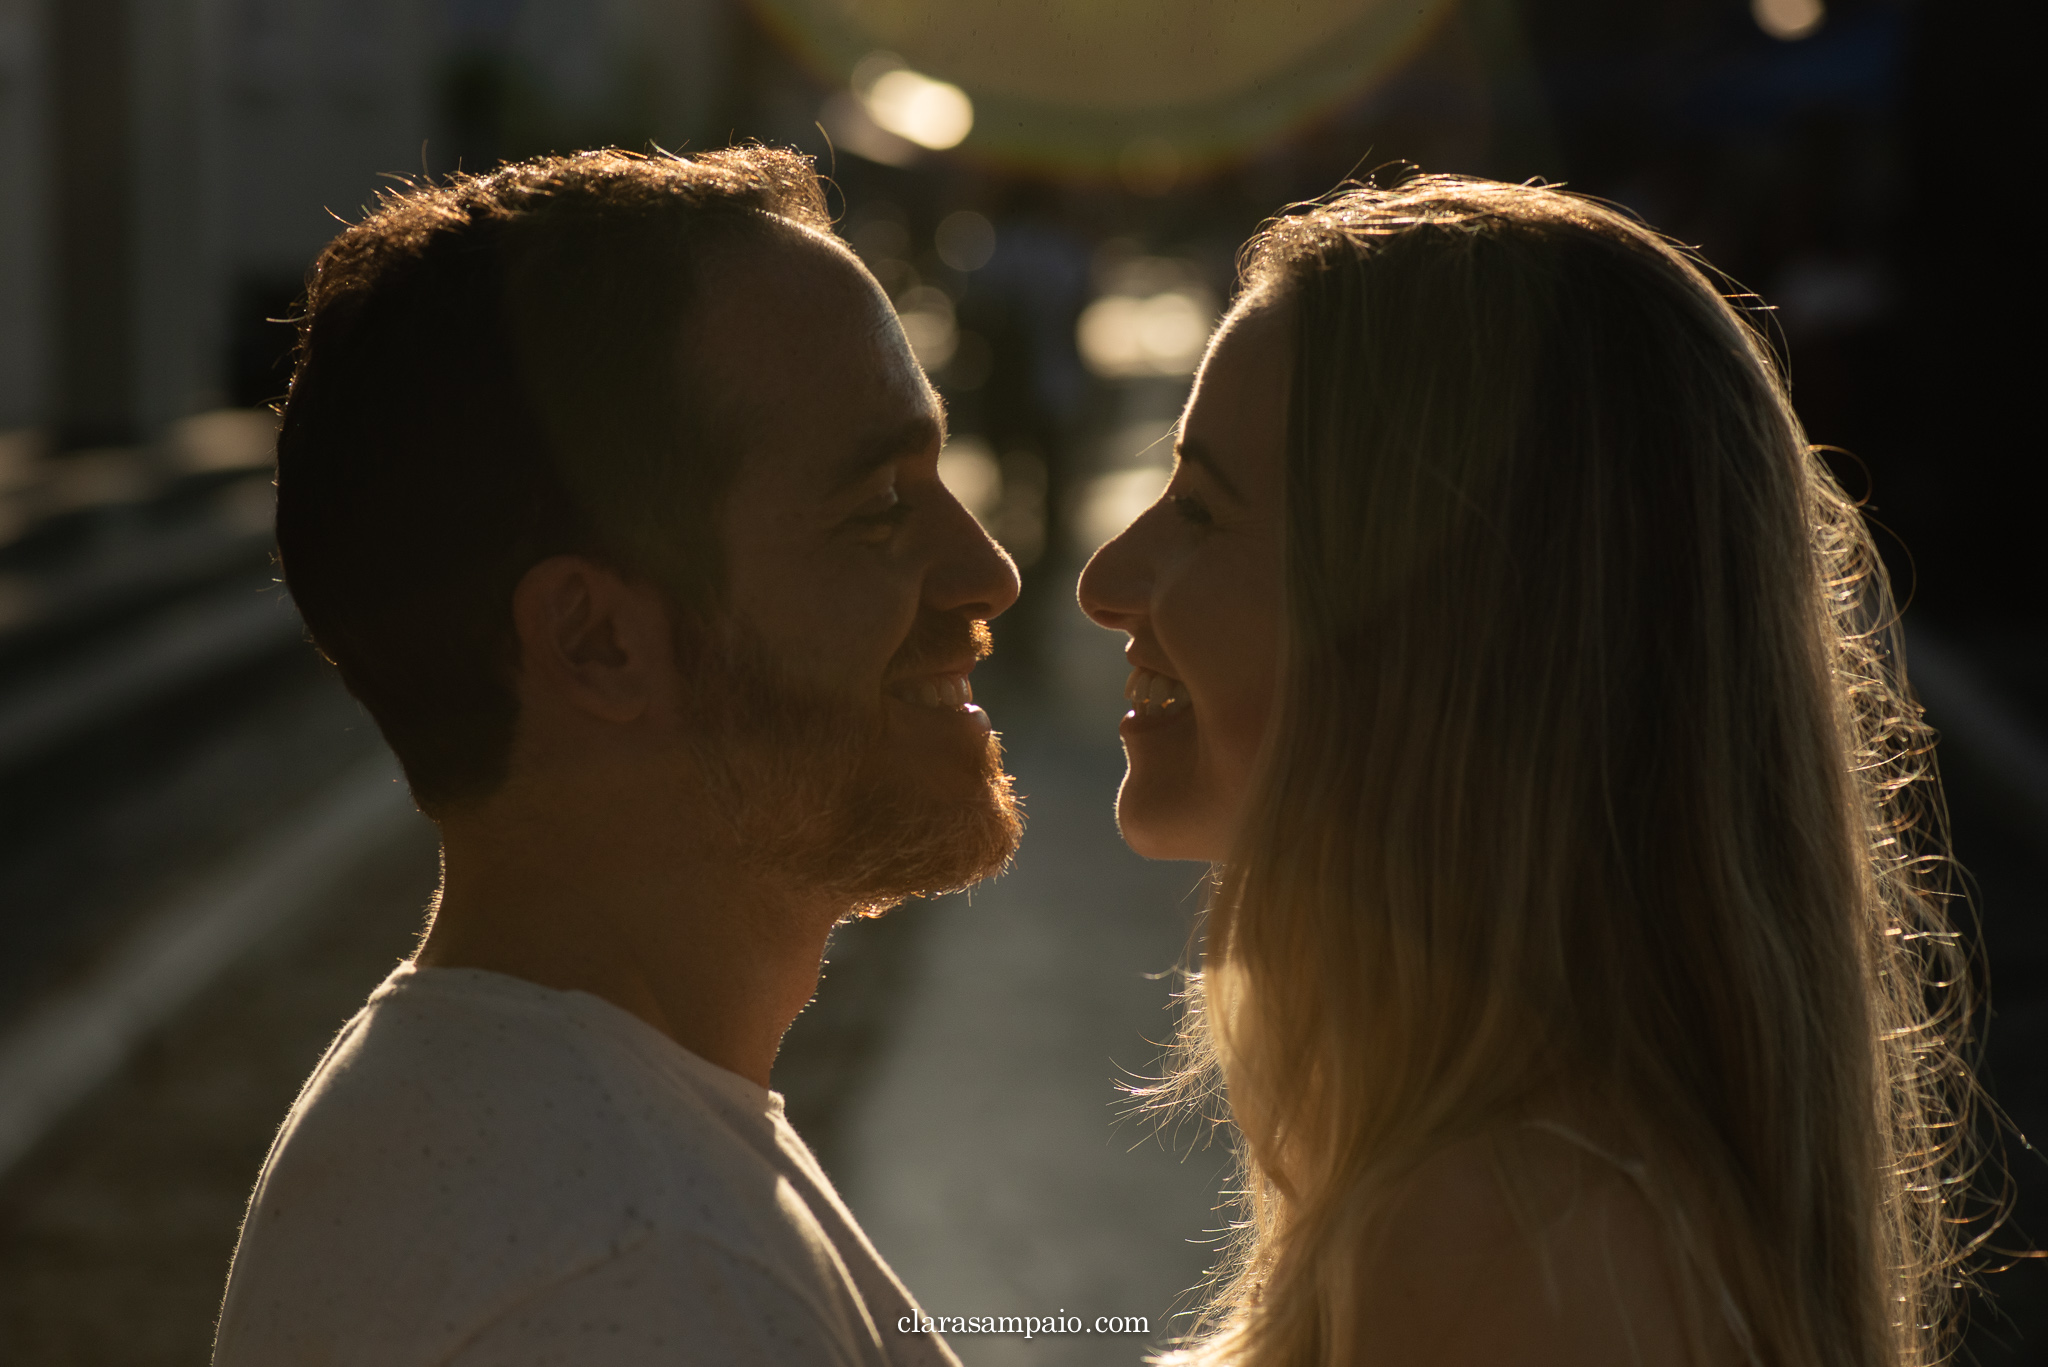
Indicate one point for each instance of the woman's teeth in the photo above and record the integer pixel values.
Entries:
(942, 692)
(1155, 695)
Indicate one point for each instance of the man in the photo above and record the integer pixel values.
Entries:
(610, 485)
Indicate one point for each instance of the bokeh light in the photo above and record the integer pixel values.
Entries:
(1143, 91)
(1788, 20)
(965, 240)
(934, 114)
(1152, 318)
(970, 471)
(891, 114)
(1113, 502)
(927, 316)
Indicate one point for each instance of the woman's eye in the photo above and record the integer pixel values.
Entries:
(1191, 509)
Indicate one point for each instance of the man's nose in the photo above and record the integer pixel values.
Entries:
(970, 574)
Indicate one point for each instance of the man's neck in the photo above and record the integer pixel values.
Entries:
(718, 959)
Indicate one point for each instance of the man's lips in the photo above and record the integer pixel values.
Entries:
(945, 692)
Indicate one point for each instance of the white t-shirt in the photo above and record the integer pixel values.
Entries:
(486, 1171)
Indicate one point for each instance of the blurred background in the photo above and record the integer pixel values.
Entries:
(206, 862)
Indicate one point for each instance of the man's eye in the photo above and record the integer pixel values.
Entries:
(883, 503)
(880, 515)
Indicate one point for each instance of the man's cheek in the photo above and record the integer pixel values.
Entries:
(853, 664)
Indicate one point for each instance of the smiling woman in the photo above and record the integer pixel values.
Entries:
(1196, 581)
(1576, 961)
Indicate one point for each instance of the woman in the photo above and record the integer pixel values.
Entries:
(1578, 994)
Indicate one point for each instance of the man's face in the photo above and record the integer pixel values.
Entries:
(835, 699)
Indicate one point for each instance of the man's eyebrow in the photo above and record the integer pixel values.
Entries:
(880, 448)
(1194, 453)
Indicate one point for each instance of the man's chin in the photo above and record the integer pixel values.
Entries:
(872, 804)
(929, 829)
(937, 742)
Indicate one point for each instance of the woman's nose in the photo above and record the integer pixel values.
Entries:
(1117, 581)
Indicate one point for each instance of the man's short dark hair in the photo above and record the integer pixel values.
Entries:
(491, 371)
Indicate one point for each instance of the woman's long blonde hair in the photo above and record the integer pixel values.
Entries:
(1594, 778)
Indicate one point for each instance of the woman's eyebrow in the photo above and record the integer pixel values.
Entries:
(1194, 453)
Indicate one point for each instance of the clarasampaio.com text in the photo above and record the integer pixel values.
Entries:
(1027, 1325)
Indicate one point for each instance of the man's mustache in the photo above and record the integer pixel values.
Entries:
(939, 640)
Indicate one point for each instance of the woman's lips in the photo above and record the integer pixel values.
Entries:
(1153, 694)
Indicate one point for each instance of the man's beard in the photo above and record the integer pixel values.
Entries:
(802, 786)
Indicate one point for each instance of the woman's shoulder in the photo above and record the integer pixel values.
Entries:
(1528, 1246)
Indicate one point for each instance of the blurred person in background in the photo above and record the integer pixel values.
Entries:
(609, 484)
(1576, 960)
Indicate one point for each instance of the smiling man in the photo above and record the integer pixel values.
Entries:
(610, 486)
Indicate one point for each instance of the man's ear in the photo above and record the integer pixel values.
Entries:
(593, 638)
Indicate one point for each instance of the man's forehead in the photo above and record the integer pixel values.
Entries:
(803, 352)
(784, 286)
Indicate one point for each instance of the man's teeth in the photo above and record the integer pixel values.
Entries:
(1155, 695)
(944, 691)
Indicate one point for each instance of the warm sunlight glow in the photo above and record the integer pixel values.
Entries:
(927, 317)
(970, 472)
(1123, 335)
(1111, 503)
(965, 240)
(1788, 20)
(933, 114)
(1149, 93)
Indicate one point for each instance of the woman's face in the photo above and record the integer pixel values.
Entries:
(1196, 583)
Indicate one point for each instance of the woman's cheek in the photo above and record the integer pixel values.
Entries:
(1255, 678)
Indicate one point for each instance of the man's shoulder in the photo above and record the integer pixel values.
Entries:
(469, 1139)
(454, 1071)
